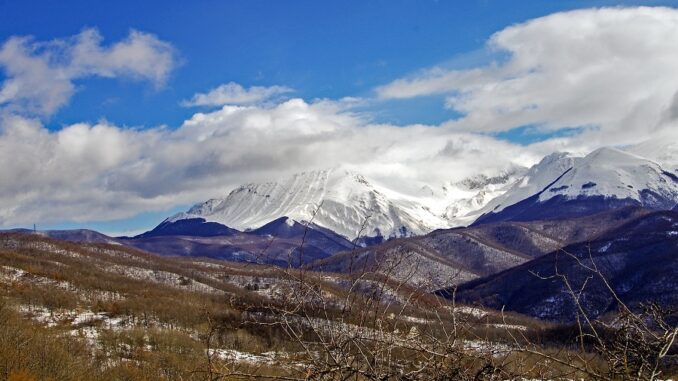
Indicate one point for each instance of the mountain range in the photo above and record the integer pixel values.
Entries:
(485, 236)
(350, 204)
(560, 186)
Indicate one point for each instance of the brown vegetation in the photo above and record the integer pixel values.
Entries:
(94, 311)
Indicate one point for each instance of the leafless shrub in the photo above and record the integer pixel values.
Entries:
(384, 326)
(377, 321)
(634, 345)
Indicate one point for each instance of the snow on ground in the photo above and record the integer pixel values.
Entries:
(116, 254)
(347, 200)
(607, 172)
(75, 318)
(605, 247)
(38, 245)
(418, 320)
(482, 346)
(466, 310)
(11, 275)
(515, 327)
(251, 358)
(86, 324)
(537, 178)
(209, 265)
(161, 277)
(89, 325)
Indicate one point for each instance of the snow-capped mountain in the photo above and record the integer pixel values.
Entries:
(348, 203)
(614, 173)
(345, 200)
(564, 185)
(339, 200)
(537, 178)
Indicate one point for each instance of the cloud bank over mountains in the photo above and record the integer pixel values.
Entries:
(610, 72)
(88, 171)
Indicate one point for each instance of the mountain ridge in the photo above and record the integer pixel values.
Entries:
(637, 259)
(565, 186)
(349, 204)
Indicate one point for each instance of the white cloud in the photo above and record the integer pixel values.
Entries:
(94, 172)
(608, 68)
(612, 68)
(234, 94)
(40, 75)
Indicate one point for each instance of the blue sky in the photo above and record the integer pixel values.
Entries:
(320, 49)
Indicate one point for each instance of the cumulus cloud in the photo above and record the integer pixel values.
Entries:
(611, 70)
(101, 171)
(234, 94)
(40, 75)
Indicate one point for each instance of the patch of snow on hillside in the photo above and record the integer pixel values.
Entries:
(605, 247)
(162, 277)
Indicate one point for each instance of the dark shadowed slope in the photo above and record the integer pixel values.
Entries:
(639, 260)
(277, 242)
(453, 256)
(195, 227)
(314, 235)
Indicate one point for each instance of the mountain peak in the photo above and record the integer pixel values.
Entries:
(338, 199)
(536, 179)
(565, 185)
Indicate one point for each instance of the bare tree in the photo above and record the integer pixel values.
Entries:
(380, 321)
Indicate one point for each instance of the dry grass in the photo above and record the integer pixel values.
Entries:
(195, 319)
